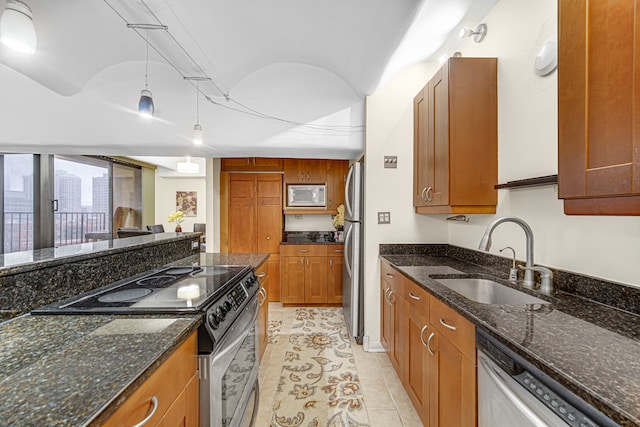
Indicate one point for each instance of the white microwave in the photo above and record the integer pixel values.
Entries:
(306, 195)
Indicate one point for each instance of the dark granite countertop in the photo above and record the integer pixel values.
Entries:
(19, 262)
(309, 238)
(590, 348)
(72, 370)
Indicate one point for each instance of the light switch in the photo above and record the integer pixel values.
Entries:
(391, 162)
(384, 217)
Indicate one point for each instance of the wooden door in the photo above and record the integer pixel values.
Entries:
(421, 168)
(269, 213)
(438, 138)
(242, 213)
(292, 277)
(316, 171)
(267, 164)
(315, 280)
(452, 386)
(336, 179)
(334, 279)
(416, 375)
(599, 107)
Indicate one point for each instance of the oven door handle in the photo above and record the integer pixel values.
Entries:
(237, 342)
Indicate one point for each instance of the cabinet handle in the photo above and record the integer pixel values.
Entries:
(339, 250)
(308, 176)
(248, 160)
(262, 292)
(268, 237)
(301, 262)
(429, 199)
(446, 325)
(412, 296)
(429, 343)
(304, 250)
(154, 402)
(390, 293)
(302, 176)
(330, 263)
(423, 194)
(390, 276)
(386, 295)
(254, 160)
(424, 328)
(261, 275)
(307, 262)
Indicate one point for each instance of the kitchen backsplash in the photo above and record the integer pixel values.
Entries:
(307, 222)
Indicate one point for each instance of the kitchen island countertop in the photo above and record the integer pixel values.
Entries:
(587, 347)
(77, 369)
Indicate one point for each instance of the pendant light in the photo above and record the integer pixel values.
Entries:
(197, 129)
(188, 166)
(16, 27)
(145, 105)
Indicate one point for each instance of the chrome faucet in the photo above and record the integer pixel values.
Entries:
(485, 245)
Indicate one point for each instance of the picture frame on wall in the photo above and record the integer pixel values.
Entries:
(187, 202)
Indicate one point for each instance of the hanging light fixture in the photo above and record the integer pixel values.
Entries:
(145, 105)
(16, 27)
(197, 129)
(188, 166)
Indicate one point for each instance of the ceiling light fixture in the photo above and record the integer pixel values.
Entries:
(197, 129)
(188, 166)
(16, 27)
(478, 34)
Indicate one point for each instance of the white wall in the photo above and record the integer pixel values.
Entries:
(390, 132)
(308, 223)
(604, 247)
(166, 189)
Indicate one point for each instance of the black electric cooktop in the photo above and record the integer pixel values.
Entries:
(165, 290)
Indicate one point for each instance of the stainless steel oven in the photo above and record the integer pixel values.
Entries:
(229, 374)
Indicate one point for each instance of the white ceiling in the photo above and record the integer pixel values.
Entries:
(288, 77)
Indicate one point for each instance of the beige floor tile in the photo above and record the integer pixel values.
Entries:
(263, 418)
(376, 394)
(384, 417)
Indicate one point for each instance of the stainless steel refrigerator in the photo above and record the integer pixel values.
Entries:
(352, 276)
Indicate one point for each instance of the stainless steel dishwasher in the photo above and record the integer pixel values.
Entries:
(512, 392)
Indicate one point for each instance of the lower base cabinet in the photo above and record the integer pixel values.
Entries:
(172, 390)
(262, 272)
(432, 348)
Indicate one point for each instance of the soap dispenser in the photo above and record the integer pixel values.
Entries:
(513, 271)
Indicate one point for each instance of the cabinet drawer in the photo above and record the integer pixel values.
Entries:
(417, 297)
(303, 250)
(456, 328)
(165, 384)
(335, 250)
(390, 274)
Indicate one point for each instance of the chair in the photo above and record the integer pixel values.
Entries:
(201, 228)
(158, 228)
(131, 232)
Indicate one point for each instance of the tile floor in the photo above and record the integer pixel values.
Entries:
(387, 403)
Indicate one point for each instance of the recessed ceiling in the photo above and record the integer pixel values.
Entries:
(288, 78)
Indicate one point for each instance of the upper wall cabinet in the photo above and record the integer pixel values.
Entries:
(599, 107)
(307, 171)
(251, 164)
(456, 139)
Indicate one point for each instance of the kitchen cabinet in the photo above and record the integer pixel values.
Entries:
(335, 259)
(456, 139)
(311, 274)
(305, 171)
(392, 310)
(599, 107)
(251, 164)
(174, 385)
(262, 273)
(336, 180)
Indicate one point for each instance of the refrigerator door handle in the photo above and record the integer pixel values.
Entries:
(347, 196)
(347, 252)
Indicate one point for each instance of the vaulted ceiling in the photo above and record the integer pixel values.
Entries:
(281, 77)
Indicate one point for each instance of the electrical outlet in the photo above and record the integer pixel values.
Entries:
(391, 162)
(384, 217)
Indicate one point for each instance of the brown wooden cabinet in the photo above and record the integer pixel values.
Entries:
(599, 107)
(335, 259)
(336, 180)
(456, 139)
(262, 272)
(305, 171)
(251, 164)
(311, 274)
(392, 310)
(175, 386)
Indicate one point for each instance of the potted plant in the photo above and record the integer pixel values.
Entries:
(177, 217)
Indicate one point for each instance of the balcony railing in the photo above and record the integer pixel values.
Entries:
(70, 228)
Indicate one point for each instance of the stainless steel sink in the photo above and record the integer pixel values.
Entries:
(489, 292)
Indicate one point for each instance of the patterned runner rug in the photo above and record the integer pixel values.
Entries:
(319, 385)
(273, 331)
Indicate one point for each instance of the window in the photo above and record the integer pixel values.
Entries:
(18, 202)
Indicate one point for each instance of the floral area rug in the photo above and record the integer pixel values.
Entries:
(319, 385)
(273, 331)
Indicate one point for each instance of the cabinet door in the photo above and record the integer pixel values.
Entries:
(262, 272)
(316, 171)
(438, 139)
(292, 276)
(396, 314)
(334, 279)
(269, 213)
(183, 412)
(421, 168)
(315, 280)
(452, 386)
(251, 164)
(242, 213)
(294, 171)
(599, 107)
(267, 164)
(336, 179)
(273, 266)
(416, 376)
(236, 163)
(385, 317)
